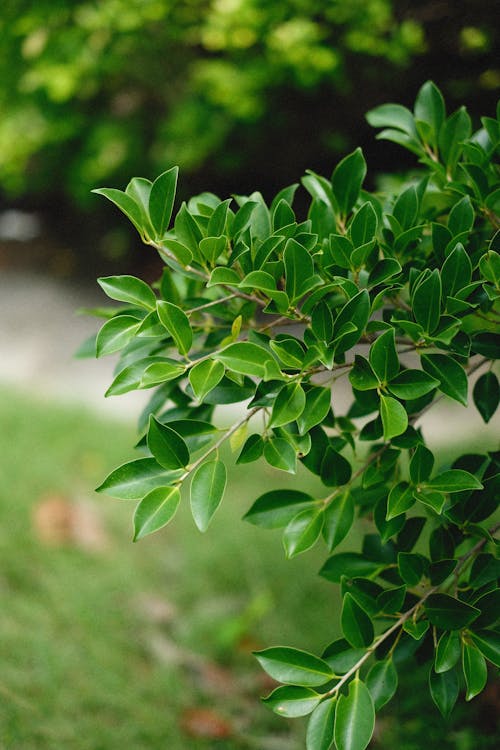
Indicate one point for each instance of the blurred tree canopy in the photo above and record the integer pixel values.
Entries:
(239, 93)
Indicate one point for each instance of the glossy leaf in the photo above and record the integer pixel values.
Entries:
(207, 489)
(444, 689)
(115, 334)
(177, 324)
(451, 375)
(303, 531)
(321, 725)
(166, 445)
(135, 479)
(288, 406)
(357, 627)
(382, 682)
(383, 357)
(155, 511)
(161, 200)
(275, 509)
(475, 671)
(354, 718)
(338, 519)
(347, 179)
(128, 289)
(447, 651)
(486, 395)
(411, 384)
(394, 417)
(293, 666)
(448, 613)
(292, 701)
(204, 376)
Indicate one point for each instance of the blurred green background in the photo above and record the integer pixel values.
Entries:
(104, 643)
(242, 94)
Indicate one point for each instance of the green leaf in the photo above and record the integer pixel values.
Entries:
(252, 450)
(361, 375)
(350, 564)
(292, 701)
(299, 269)
(321, 724)
(289, 405)
(322, 322)
(248, 358)
(416, 628)
(126, 204)
(279, 453)
(383, 357)
(223, 275)
(136, 478)
(115, 334)
(356, 312)
(382, 682)
(488, 642)
(293, 666)
(187, 230)
(212, 247)
(421, 464)
(486, 395)
(489, 265)
(444, 689)
(335, 469)
(449, 613)
(275, 509)
(411, 384)
(354, 718)
(363, 227)
(455, 480)
(426, 302)
(475, 671)
(411, 567)
(289, 351)
(264, 282)
(303, 531)
(357, 627)
(347, 179)
(161, 200)
(451, 375)
(430, 109)
(338, 519)
(217, 222)
(405, 209)
(207, 489)
(128, 289)
(447, 652)
(391, 600)
(177, 324)
(166, 445)
(461, 219)
(317, 406)
(392, 116)
(454, 131)
(456, 272)
(204, 376)
(155, 511)
(394, 417)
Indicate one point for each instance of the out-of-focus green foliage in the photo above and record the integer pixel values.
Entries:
(92, 91)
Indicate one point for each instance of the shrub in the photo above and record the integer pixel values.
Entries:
(400, 295)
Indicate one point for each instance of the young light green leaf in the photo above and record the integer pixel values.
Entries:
(288, 406)
(354, 718)
(128, 289)
(292, 701)
(177, 324)
(321, 725)
(166, 445)
(204, 376)
(135, 479)
(115, 334)
(161, 200)
(160, 371)
(303, 531)
(394, 417)
(382, 682)
(451, 375)
(294, 667)
(155, 511)
(207, 489)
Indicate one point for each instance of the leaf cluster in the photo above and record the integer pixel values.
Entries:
(261, 307)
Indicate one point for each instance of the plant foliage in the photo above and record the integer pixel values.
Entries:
(260, 307)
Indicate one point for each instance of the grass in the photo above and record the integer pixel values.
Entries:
(106, 648)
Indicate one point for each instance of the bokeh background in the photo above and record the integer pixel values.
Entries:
(104, 642)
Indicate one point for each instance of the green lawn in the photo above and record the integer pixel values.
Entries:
(109, 648)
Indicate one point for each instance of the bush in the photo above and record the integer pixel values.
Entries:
(256, 305)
